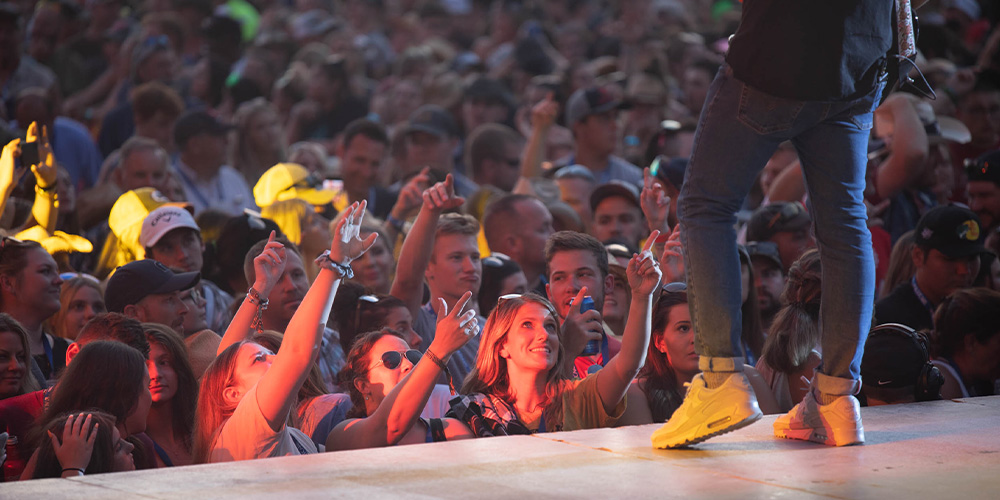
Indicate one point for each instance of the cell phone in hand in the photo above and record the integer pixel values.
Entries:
(29, 153)
(593, 346)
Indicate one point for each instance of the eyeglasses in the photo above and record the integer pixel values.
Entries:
(676, 286)
(156, 41)
(69, 276)
(392, 359)
(191, 294)
(364, 299)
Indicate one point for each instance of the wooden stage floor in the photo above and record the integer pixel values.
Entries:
(940, 450)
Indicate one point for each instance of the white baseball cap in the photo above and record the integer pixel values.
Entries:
(161, 221)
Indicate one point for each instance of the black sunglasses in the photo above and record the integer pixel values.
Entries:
(392, 359)
(676, 286)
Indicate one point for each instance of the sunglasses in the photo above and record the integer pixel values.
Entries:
(677, 286)
(392, 359)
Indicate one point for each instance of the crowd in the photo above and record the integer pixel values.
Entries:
(252, 228)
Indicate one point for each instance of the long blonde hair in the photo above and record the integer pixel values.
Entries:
(490, 376)
(213, 409)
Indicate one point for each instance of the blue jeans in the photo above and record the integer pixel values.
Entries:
(739, 129)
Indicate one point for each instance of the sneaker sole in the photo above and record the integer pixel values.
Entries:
(698, 439)
(840, 438)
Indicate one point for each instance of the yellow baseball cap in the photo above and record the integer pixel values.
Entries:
(57, 241)
(286, 181)
(132, 207)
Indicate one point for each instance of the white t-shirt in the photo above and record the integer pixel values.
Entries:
(246, 436)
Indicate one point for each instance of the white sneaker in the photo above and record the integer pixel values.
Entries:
(835, 424)
(708, 412)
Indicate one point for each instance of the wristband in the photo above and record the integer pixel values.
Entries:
(441, 364)
(324, 261)
(253, 296)
(47, 189)
(396, 223)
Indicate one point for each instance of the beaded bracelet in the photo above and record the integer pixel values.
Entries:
(324, 261)
(253, 296)
(438, 361)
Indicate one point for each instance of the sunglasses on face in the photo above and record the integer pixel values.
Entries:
(392, 359)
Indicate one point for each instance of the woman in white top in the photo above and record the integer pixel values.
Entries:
(247, 393)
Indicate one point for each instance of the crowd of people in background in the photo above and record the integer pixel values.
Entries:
(407, 221)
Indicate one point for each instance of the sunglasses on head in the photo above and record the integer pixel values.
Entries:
(362, 300)
(392, 359)
(677, 286)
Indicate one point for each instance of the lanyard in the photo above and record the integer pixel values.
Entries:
(194, 188)
(921, 297)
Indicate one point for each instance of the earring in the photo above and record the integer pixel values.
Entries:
(366, 397)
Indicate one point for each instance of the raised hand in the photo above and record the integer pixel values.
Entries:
(441, 196)
(544, 113)
(77, 444)
(643, 270)
(268, 266)
(654, 202)
(672, 259)
(9, 174)
(347, 243)
(45, 170)
(411, 195)
(454, 328)
(581, 327)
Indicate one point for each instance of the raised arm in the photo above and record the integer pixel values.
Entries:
(644, 277)
(44, 210)
(397, 413)
(418, 244)
(268, 267)
(279, 387)
(9, 174)
(543, 115)
(908, 146)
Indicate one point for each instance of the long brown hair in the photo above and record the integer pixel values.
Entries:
(356, 367)
(213, 409)
(313, 387)
(102, 459)
(490, 376)
(658, 380)
(182, 406)
(795, 330)
(28, 383)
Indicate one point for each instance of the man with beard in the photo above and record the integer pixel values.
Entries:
(769, 279)
(150, 292)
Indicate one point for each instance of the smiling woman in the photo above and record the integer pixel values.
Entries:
(29, 292)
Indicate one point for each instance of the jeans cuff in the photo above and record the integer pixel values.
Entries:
(836, 386)
(710, 364)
